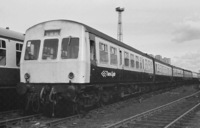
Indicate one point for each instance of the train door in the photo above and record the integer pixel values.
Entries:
(121, 66)
(93, 66)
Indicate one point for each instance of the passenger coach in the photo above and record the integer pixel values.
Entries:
(10, 51)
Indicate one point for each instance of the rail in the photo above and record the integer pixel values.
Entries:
(148, 113)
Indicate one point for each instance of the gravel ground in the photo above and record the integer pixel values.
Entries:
(195, 122)
(108, 116)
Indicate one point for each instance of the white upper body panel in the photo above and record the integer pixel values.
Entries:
(56, 70)
(161, 69)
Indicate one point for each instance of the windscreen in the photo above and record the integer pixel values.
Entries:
(50, 49)
(32, 50)
(70, 48)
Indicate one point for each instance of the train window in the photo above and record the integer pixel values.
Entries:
(18, 53)
(137, 62)
(19, 47)
(2, 53)
(126, 59)
(113, 56)
(2, 57)
(50, 49)
(103, 48)
(32, 50)
(120, 55)
(146, 65)
(2, 44)
(140, 62)
(70, 48)
(132, 61)
(92, 51)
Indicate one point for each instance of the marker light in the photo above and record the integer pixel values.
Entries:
(27, 77)
(71, 75)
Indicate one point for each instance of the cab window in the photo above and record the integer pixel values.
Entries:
(70, 48)
(50, 49)
(32, 50)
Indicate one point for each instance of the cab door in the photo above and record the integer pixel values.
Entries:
(94, 75)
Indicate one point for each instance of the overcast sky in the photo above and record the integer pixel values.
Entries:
(170, 28)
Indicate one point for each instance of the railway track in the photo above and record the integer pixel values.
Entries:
(166, 116)
(7, 113)
(39, 121)
(15, 121)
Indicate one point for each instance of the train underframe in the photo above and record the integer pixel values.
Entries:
(63, 100)
(10, 99)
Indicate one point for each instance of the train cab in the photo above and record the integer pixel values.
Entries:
(55, 52)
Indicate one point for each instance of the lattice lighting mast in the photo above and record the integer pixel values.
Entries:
(119, 29)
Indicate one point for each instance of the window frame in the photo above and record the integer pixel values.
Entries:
(49, 56)
(3, 48)
(132, 59)
(18, 48)
(103, 51)
(113, 55)
(40, 45)
(126, 59)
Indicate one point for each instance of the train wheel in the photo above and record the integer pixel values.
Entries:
(79, 107)
(105, 97)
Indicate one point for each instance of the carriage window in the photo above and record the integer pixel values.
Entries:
(103, 48)
(2, 53)
(137, 62)
(113, 56)
(132, 61)
(120, 57)
(18, 53)
(50, 49)
(32, 50)
(70, 48)
(126, 59)
(140, 63)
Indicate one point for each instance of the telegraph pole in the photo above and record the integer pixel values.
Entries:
(119, 28)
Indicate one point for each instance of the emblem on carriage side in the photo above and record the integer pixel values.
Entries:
(106, 73)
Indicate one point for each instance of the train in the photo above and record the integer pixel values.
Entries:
(67, 67)
(11, 43)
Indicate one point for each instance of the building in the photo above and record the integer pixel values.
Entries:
(159, 57)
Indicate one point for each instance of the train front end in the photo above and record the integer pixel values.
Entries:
(54, 64)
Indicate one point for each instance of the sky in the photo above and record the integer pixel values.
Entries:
(170, 28)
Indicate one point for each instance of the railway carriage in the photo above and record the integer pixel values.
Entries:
(177, 75)
(187, 76)
(66, 64)
(163, 72)
(195, 79)
(10, 51)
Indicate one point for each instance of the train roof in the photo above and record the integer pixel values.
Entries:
(12, 35)
(178, 67)
(102, 35)
(111, 39)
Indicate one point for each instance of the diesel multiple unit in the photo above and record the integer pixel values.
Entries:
(71, 66)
